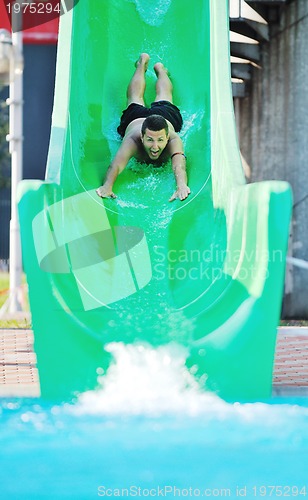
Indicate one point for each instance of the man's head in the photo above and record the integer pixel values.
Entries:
(154, 135)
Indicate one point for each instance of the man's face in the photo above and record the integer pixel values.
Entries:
(154, 143)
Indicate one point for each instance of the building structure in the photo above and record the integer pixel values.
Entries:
(271, 104)
(38, 89)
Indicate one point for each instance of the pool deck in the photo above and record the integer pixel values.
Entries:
(290, 377)
(19, 375)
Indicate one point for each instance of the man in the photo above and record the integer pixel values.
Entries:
(149, 135)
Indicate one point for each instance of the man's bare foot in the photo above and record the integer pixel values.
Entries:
(159, 68)
(143, 61)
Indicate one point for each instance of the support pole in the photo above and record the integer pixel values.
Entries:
(15, 139)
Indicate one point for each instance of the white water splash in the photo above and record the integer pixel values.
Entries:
(152, 388)
(164, 217)
(147, 381)
(152, 12)
(130, 204)
(191, 121)
(154, 382)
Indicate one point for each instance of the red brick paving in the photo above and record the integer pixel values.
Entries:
(291, 360)
(18, 372)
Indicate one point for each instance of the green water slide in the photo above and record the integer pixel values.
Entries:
(206, 273)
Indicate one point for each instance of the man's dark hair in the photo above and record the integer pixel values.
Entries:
(155, 123)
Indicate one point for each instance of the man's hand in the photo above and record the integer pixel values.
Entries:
(105, 192)
(181, 193)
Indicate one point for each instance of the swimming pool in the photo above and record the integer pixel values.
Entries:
(149, 431)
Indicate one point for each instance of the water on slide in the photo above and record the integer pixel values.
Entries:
(206, 273)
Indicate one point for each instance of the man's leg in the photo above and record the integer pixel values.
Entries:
(163, 85)
(136, 87)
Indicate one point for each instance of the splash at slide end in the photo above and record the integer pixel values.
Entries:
(206, 273)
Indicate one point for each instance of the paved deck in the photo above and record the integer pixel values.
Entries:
(291, 362)
(18, 372)
(19, 375)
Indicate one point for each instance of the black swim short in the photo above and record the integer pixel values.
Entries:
(162, 108)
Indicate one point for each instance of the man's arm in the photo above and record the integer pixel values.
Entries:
(126, 151)
(178, 160)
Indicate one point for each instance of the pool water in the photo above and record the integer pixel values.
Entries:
(149, 431)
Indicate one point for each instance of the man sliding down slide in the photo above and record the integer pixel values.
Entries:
(149, 134)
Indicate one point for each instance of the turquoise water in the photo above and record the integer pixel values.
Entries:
(149, 431)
